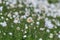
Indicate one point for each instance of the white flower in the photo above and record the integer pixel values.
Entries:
(10, 33)
(2, 17)
(1, 8)
(9, 15)
(15, 21)
(7, 3)
(48, 14)
(57, 22)
(58, 35)
(18, 28)
(59, 31)
(0, 13)
(29, 20)
(37, 10)
(0, 1)
(12, 5)
(23, 17)
(24, 36)
(12, 1)
(4, 33)
(4, 24)
(20, 5)
(51, 35)
(55, 27)
(40, 17)
(42, 29)
(14, 16)
(34, 2)
(52, 6)
(49, 24)
(25, 31)
(40, 39)
(26, 27)
(27, 13)
(37, 23)
(47, 30)
(7, 19)
(16, 13)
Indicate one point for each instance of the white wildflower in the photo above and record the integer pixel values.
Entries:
(37, 23)
(4, 24)
(10, 33)
(42, 29)
(18, 28)
(40, 39)
(0, 1)
(1, 8)
(51, 35)
(29, 19)
(58, 35)
(24, 36)
(49, 24)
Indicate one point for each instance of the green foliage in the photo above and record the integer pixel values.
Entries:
(52, 1)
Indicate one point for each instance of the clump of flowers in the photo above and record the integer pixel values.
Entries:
(29, 20)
